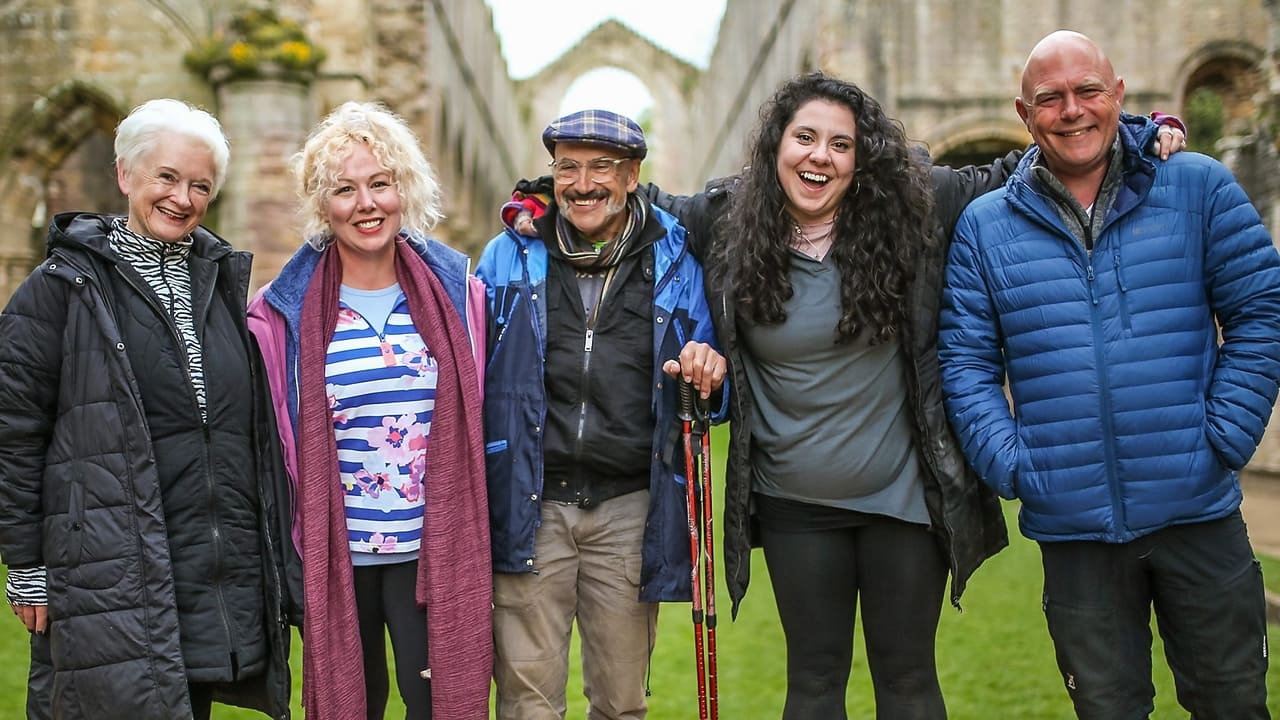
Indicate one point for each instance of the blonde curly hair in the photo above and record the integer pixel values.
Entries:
(316, 167)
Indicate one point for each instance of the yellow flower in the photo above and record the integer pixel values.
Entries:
(258, 41)
(295, 53)
(240, 53)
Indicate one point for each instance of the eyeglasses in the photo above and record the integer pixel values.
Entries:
(600, 170)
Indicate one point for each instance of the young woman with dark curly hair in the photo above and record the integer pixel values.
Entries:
(828, 263)
(824, 264)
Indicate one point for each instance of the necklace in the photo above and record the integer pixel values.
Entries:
(817, 240)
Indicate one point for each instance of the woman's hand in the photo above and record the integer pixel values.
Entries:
(524, 224)
(35, 617)
(1169, 140)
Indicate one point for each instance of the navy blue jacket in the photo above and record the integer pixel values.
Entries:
(1129, 414)
(514, 270)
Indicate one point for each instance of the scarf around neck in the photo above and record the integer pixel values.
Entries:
(608, 255)
(454, 581)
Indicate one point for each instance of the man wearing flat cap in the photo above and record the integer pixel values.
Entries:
(587, 512)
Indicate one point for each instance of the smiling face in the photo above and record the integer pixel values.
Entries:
(816, 159)
(363, 209)
(1070, 103)
(594, 204)
(169, 187)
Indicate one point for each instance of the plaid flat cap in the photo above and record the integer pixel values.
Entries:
(598, 127)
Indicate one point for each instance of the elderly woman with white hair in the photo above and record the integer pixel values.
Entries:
(371, 336)
(136, 443)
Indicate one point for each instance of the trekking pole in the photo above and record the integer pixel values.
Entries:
(690, 478)
(703, 425)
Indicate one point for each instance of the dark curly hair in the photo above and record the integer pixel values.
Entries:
(881, 225)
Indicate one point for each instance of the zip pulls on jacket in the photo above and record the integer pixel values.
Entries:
(587, 345)
(589, 338)
(150, 299)
(1040, 214)
(385, 350)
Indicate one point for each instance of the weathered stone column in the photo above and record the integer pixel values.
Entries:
(1267, 460)
(266, 122)
(261, 66)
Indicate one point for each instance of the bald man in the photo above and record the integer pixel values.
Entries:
(1096, 281)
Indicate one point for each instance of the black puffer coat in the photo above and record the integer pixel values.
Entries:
(965, 513)
(153, 523)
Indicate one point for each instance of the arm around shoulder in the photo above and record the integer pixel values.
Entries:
(954, 189)
(697, 213)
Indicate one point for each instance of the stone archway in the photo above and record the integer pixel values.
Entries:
(974, 140)
(1231, 71)
(668, 78)
(1222, 90)
(58, 155)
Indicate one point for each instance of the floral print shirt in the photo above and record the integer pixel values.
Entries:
(381, 388)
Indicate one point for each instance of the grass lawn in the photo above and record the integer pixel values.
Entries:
(995, 659)
(1270, 572)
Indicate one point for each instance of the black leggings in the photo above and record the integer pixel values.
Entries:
(898, 571)
(385, 601)
(201, 696)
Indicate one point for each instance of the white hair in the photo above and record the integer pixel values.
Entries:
(138, 133)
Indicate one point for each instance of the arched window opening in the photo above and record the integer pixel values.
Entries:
(1206, 113)
(1220, 102)
(86, 179)
(976, 152)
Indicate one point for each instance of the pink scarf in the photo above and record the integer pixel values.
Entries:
(454, 569)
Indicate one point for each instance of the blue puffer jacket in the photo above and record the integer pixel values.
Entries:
(514, 269)
(1129, 414)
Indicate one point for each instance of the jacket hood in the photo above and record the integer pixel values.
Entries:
(288, 290)
(1136, 134)
(1024, 192)
(88, 232)
(84, 231)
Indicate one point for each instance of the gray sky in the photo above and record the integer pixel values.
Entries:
(534, 34)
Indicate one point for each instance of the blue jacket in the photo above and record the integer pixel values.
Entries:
(1129, 414)
(286, 293)
(514, 270)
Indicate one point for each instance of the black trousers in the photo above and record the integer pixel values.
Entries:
(385, 602)
(1206, 588)
(818, 576)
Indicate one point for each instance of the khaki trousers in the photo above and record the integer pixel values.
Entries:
(588, 568)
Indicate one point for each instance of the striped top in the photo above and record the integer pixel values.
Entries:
(27, 586)
(381, 389)
(163, 265)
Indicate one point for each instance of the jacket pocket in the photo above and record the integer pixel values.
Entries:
(75, 523)
(1021, 475)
